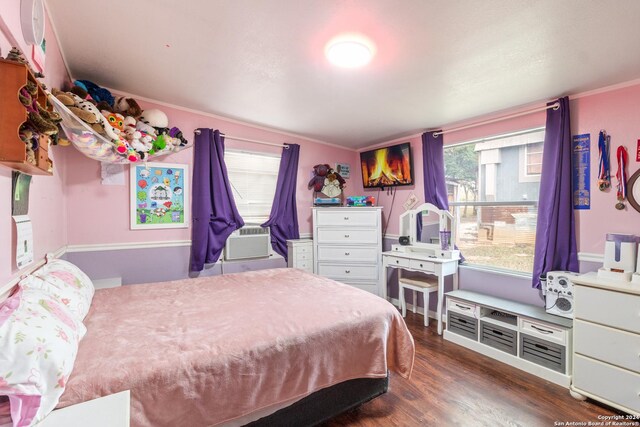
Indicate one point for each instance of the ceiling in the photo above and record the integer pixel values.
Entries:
(437, 62)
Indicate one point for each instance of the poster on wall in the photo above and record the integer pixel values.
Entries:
(159, 196)
(580, 159)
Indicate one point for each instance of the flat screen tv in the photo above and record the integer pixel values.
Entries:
(387, 167)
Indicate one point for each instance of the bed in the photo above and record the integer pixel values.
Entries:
(264, 347)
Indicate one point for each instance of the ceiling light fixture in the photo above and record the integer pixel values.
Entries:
(350, 51)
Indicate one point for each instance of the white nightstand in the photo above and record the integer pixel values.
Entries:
(300, 254)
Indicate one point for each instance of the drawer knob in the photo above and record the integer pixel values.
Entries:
(347, 271)
(397, 261)
(421, 265)
(346, 235)
(347, 253)
(346, 218)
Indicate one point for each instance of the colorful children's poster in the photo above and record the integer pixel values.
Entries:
(581, 149)
(159, 196)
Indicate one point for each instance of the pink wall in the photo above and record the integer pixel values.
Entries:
(98, 214)
(617, 111)
(47, 198)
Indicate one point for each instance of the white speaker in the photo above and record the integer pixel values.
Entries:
(559, 293)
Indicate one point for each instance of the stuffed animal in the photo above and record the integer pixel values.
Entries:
(134, 137)
(104, 125)
(41, 120)
(127, 107)
(67, 98)
(97, 93)
(116, 120)
(154, 117)
(320, 171)
(176, 133)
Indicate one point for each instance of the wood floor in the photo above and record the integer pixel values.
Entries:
(454, 386)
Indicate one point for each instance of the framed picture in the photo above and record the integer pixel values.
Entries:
(344, 169)
(159, 196)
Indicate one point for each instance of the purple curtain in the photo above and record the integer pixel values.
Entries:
(215, 215)
(435, 188)
(283, 220)
(555, 233)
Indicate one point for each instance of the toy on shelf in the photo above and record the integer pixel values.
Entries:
(329, 184)
(113, 130)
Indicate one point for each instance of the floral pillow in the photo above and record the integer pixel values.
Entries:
(38, 346)
(75, 288)
(68, 296)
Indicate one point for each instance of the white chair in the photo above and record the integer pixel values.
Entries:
(425, 285)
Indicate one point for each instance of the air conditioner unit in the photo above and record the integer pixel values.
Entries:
(251, 241)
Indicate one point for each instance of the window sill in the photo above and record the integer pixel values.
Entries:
(502, 272)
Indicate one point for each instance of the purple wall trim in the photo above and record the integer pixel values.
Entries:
(149, 265)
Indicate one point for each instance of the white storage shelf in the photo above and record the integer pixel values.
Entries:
(520, 335)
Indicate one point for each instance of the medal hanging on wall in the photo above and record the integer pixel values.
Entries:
(604, 173)
(621, 176)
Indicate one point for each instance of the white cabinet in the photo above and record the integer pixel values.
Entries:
(606, 361)
(300, 254)
(347, 245)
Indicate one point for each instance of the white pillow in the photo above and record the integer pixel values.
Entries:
(38, 345)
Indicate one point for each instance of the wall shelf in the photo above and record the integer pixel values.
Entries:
(13, 151)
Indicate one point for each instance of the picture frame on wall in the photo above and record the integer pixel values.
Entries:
(159, 195)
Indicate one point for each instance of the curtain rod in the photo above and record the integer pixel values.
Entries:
(236, 138)
(555, 106)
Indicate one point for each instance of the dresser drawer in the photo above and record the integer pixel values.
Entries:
(344, 271)
(347, 218)
(609, 382)
(615, 309)
(369, 287)
(348, 253)
(351, 236)
(303, 249)
(304, 265)
(399, 262)
(301, 255)
(613, 346)
(463, 307)
(422, 265)
(543, 331)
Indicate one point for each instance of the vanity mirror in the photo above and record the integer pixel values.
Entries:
(424, 225)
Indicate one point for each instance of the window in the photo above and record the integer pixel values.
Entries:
(533, 158)
(253, 178)
(496, 209)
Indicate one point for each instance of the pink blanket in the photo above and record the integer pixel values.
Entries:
(207, 351)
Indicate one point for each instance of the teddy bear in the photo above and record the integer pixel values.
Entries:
(127, 107)
(320, 172)
(42, 121)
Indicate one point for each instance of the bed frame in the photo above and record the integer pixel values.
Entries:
(325, 404)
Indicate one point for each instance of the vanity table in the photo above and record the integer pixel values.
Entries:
(424, 255)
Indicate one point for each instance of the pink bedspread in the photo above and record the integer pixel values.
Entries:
(210, 350)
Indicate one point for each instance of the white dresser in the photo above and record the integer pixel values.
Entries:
(347, 245)
(300, 254)
(606, 360)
